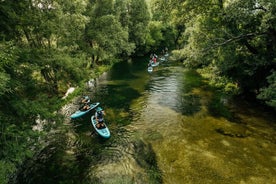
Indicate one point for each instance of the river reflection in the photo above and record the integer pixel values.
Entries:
(163, 130)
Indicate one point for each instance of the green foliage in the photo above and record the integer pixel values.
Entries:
(4, 80)
(139, 18)
(155, 36)
(17, 143)
(5, 169)
(177, 55)
(105, 35)
(121, 12)
(163, 11)
(72, 22)
(219, 81)
(234, 40)
(8, 56)
(268, 94)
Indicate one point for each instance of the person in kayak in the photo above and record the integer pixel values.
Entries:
(85, 100)
(85, 103)
(100, 117)
(84, 107)
(150, 63)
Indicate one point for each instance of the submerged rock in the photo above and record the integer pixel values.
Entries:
(233, 132)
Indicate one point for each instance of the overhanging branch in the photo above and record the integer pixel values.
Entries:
(233, 39)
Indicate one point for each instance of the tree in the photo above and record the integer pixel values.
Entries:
(268, 93)
(235, 38)
(173, 17)
(138, 24)
(121, 10)
(155, 36)
(105, 35)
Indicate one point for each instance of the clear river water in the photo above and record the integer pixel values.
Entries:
(166, 127)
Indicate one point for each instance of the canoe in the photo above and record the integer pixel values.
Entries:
(104, 132)
(80, 113)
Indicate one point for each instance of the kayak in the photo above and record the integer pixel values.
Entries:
(150, 69)
(104, 132)
(155, 64)
(163, 59)
(79, 113)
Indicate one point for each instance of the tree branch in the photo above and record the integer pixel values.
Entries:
(233, 39)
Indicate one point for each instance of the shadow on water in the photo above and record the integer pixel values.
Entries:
(116, 96)
(146, 158)
(54, 164)
(190, 102)
(192, 79)
(123, 70)
(67, 159)
(217, 107)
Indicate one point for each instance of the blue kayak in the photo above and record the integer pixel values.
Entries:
(79, 113)
(104, 132)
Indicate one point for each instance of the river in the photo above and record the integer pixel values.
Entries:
(167, 127)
